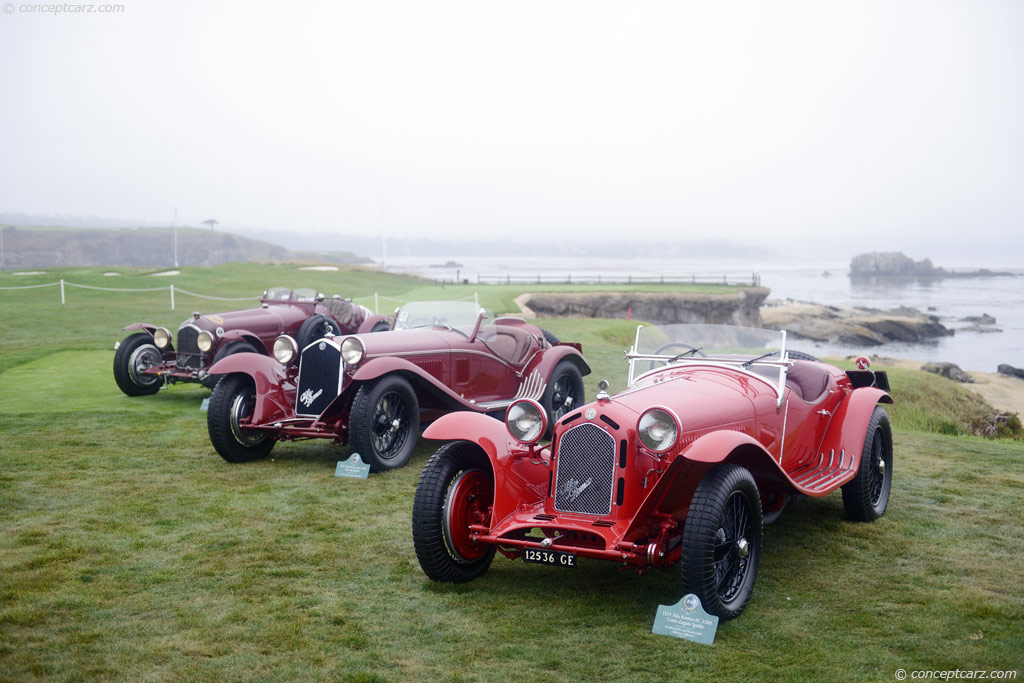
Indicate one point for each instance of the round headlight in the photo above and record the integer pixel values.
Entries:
(204, 341)
(526, 420)
(658, 430)
(285, 349)
(352, 350)
(161, 338)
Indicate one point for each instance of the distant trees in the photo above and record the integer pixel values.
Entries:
(211, 222)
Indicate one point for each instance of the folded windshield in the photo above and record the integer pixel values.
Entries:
(751, 349)
(457, 315)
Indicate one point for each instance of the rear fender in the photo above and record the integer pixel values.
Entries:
(272, 402)
(671, 496)
(384, 365)
(243, 335)
(553, 356)
(370, 321)
(517, 480)
(849, 424)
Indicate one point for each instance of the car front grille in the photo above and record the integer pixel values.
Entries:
(586, 468)
(319, 377)
(188, 353)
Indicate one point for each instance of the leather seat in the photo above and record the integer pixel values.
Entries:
(509, 343)
(808, 379)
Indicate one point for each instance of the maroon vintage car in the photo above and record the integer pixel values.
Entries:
(374, 390)
(719, 427)
(150, 357)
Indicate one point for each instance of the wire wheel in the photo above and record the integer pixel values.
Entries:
(732, 547)
(385, 421)
(390, 424)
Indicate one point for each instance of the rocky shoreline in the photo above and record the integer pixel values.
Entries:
(858, 326)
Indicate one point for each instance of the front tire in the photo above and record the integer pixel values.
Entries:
(385, 422)
(866, 496)
(722, 541)
(231, 403)
(455, 490)
(136, 353)
(564, 392)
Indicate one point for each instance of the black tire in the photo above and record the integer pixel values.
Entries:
(800, 355)
(381, 327)
(722, 541)
(229, 349)
(550, 338)
(455, 489)
(376, 409)
(233, 399)
(315, 327)
(564, 392)
(866, 496)
(134, 354)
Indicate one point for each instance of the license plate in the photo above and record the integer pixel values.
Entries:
(557, 558)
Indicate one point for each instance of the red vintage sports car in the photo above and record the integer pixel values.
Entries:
(374, 390)
(150, 357)
(718, 429)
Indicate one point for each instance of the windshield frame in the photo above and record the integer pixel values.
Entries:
(466, 325)
(732, 362)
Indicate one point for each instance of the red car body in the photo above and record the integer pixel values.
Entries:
(142, 365)
(436, 364)
(755, 435)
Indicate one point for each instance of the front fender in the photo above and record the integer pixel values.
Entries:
(517, 480)
(378, 367)
(370, 321)
(273, 402)
(243, 335)
(141, 326)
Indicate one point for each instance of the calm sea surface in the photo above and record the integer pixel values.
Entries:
(951, 299)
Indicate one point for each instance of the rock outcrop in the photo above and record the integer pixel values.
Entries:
(737, 308)
(896, 264)
(949, 371)
(853, 326)
(1010, 371)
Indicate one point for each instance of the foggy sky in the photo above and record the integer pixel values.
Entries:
(797, 125)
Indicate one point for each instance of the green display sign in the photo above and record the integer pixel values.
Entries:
(687, 620)
(354, 468)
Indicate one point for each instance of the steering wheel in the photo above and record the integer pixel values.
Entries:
(684, 349)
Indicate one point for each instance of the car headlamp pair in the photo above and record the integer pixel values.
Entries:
(285, 350)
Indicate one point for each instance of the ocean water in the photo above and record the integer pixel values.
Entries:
(951, 299)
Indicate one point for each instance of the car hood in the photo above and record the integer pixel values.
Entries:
(397, 342)
(256, 320)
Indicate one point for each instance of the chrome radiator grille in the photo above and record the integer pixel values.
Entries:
(188, 354)
(319, 377)
(586, 468)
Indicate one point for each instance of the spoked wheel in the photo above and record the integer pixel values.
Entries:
(866, 496)
(455, 491)
(133, 356)
(385, 422)
(229, 412)
(722, 541)
(564, 392)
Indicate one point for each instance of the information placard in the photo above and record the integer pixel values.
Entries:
(354, 467)
(687, 620)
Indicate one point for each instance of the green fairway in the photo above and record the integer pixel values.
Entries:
(129, 550)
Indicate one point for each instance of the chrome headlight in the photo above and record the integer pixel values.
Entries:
(352, 350)
(285, 349)
(204, 341)
(526, 420)
(658, 429)
(161, 337)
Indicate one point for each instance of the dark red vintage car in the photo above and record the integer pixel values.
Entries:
(718, 429)
(374, 390)
(150, 357)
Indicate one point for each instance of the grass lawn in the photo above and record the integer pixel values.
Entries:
(130, 550)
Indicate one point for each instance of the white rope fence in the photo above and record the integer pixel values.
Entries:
(377, 298)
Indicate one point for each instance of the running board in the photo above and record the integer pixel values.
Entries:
(825, 474)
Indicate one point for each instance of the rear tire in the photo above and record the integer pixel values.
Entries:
(455, 490)
(380, 327)
(233, 400)
(136, 353)
(722, 541)
(551, 339)
(800, 355)
(866, 496)
(564, 392)
(385, 422)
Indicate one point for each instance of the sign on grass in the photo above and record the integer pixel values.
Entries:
(353, 467)
(687, 620)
